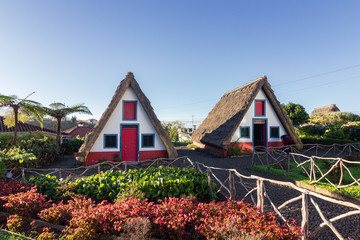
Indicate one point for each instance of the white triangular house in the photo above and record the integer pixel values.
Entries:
(249, 116)
(128, 128)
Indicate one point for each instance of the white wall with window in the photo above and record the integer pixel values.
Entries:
(274, 127)
(148, 137)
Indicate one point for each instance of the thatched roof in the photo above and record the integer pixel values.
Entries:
(222, 122)
(326, 109)
(129, 81)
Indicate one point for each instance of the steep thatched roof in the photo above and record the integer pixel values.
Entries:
(221, 123)
(129, 81)
(326, 109)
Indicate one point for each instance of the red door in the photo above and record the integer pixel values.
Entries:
(129, 143)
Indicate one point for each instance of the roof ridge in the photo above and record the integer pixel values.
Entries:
(246, 85)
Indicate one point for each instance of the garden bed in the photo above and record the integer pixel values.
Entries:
(128, 214)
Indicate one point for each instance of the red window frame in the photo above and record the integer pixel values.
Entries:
(259, 108)
(129, 110)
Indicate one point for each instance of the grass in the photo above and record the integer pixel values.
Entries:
(299, 174)
(4, 235)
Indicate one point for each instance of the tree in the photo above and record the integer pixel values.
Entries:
(171, 128)
(296, 113)
(21, 110)
(60, 110)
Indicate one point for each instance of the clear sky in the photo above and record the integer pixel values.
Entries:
(184, 54)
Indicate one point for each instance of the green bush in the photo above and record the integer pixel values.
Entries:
(45, 149)
(72, 145)
(325, 141)
(16, 157)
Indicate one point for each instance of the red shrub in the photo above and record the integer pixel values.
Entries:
(62, 213)
(8, 187)
(28, 203)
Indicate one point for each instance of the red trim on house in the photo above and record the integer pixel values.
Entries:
(275, 144)
(95, 157)
(246, 146)
(146, 155)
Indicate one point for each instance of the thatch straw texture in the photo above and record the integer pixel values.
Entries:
(221, 123)
(326, 109)
(129, 81)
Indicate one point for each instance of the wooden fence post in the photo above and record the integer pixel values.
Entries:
(125, 166)
(288, 164)
(99, 170)
(311, 169)
(22, 173)
(209, 179)
(260, 195)
(232, 186)
(60, 173)
(305, 216)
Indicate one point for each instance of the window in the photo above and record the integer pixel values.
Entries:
(129, 111)
(110, 141)
(274, 132)
(245, 132)
(148, 140)
(259, 108)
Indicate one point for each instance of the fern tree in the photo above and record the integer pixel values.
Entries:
(20, 110)
(60, 110)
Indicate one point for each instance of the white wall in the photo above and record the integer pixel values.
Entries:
(113, 126)
(271, 120)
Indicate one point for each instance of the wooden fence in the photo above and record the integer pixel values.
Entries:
(282, 159)
(234, 180)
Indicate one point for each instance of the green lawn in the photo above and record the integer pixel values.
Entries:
(300, 175)
(9, 236)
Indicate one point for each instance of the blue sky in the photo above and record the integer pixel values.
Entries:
(184, 54)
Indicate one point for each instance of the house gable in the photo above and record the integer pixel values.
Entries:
(112, 121)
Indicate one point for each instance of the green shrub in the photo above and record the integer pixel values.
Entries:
(46, 184)
(6, 140)
(72, 145)
(17, 157)
(131, 191)
(324, 141)
(45, 149)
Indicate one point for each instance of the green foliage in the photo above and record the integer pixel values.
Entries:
(45, 149)
(155, 183)
(171, 128)
(45, 184)
(6, 140)
(334, 117)
(131, 191)
(72, 145)
(296, 113)
(17, 157)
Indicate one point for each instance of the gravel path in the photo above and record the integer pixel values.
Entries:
(348, 227)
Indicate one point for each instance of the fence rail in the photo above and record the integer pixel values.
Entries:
(275, 157)
(229, 185)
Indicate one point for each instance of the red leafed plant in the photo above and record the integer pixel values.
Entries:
(28, 203)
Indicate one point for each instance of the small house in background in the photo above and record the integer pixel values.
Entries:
(325, 110)
(246, 117)
(128, 128)
(79, 130)
(24, 128)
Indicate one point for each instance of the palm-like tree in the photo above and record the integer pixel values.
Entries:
(24, 106)
(60, 110)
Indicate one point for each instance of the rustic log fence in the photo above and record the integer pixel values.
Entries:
(228, 187)
(276, 157)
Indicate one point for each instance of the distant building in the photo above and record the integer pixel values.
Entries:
(92, 121)
(79, 130)
(24, 128)
(249, 116)
(325, 110)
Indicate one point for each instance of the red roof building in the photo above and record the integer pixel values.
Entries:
(79, 130)
(24, 128)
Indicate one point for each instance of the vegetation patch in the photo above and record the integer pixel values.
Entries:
(298, 174)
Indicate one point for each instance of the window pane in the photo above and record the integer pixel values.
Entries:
(274, 132)
(110, 141)
(148, 140)
(245, 132)
(130, 110)
(260, 108)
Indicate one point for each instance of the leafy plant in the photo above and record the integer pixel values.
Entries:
(45, 184)
(18, 223)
